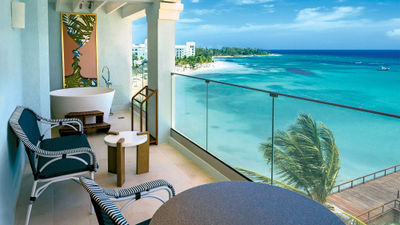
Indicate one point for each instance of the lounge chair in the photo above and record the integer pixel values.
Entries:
(103, 199)
(52, 159)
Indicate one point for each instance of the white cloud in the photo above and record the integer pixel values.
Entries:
(395, 33)
(269, 8)
(203, 11)
(319, 14)
(191, 20)
(319, 19)
(251, 2)
(195, 1)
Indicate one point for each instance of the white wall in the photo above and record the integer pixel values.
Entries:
(11, 158)
(115, 51)
(114, 36)
(35, 57)
(24, 81)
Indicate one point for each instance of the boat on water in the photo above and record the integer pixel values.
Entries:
(382, 68)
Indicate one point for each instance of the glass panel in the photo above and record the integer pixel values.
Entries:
(190, 108)
(366, 142)
(139, 76)
(238, 121)
(139, 80)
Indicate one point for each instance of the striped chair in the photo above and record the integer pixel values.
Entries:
(103, 199)
(53, 159)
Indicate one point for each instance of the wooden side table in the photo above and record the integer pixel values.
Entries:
(117, 142)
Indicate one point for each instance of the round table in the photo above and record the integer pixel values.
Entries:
(240, 202)
(131, 139)
(116, 152)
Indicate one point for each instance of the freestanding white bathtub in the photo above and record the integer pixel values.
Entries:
(68, 100)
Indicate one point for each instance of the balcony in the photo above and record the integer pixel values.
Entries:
(68, 203)
(209, 129)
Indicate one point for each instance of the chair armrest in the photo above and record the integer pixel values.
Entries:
(63, 122)
(69, 152)
(150, 186)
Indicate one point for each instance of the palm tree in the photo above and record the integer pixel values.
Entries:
(306, 158)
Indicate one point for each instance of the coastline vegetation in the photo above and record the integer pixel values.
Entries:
(229, 51)
(192, 61)
(205, 55)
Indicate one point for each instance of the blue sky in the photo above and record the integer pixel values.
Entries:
(287, 24)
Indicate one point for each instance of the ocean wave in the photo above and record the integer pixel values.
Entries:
(274, 70)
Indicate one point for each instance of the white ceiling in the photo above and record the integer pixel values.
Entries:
(127, 8)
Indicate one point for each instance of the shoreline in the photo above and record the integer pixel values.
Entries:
(216, 65)
(243, 56)
(199, 68)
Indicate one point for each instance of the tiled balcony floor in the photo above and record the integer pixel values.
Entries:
(68, 203)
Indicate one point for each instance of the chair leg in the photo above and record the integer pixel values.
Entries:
(91, 205)
(31, 200)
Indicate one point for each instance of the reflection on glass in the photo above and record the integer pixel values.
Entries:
(238, 120)
(190, 108)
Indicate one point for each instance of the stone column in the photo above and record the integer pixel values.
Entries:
(161, 19)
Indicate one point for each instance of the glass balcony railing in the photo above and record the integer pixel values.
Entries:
(139, 76)
(190, 109)
(306, 145)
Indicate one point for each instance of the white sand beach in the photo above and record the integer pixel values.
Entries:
(238, 56)
(216, 65)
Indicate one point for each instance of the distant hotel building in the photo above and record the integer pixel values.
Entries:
(140, 50)
(185, 50)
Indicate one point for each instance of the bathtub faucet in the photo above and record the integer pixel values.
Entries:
(108, 80)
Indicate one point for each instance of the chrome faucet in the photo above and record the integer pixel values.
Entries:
(108, 80)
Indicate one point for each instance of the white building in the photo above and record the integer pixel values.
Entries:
(185, 50)
(140, 50)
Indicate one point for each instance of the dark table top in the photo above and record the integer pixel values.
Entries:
(240, 202)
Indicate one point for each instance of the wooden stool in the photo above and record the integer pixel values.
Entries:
(99, 125)
(117, 142)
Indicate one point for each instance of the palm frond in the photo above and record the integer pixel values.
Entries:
(266, 180)
(305, 157)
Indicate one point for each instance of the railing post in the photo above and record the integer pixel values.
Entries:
(141, 115)
(395, 168)
(351, 184)
(207, 83)
(273, 95)
(385, 173)
(338, 188)
(363, 180)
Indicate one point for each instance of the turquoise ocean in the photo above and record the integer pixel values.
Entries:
(231, 122)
